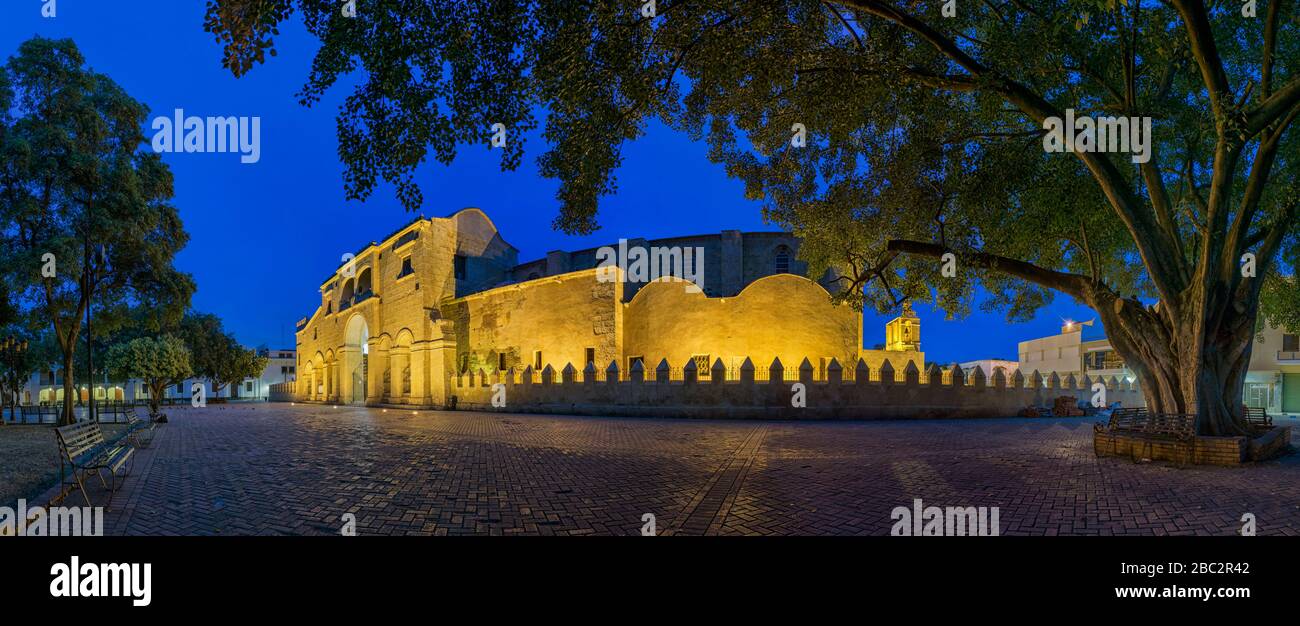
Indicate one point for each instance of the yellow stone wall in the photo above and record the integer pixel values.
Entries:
(420, 330)
(561, 316)
(783, 315)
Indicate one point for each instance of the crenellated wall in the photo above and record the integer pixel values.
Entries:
(861, 394)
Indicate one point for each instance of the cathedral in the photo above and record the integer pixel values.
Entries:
(446, 296)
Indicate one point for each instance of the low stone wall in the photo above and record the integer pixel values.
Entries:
(941, 395)
(1226, 451)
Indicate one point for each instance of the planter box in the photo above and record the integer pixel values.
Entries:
(1226, 451)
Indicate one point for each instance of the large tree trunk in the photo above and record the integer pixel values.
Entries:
(156, 390)
(69, 388)
(1193, 365)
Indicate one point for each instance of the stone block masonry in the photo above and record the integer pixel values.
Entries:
(665, 392)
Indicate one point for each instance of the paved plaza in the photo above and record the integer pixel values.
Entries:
(270, 469)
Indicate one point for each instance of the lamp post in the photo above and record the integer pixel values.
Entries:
(13, 354)
(96, 263)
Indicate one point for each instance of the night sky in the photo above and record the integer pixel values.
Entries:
(263, 236)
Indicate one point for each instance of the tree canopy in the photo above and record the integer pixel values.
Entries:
(216, 355)
(159, 361)
(75, 184)
(924, 137)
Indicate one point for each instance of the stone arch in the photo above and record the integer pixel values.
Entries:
(404, 338)
(306, 375)
(331, 382)
(365, 284)
(317, 381)
(381, 363)
(345, 295)
(400, 365)
(353, 360)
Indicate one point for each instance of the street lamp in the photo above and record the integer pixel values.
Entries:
(96, 265)
(13, 354)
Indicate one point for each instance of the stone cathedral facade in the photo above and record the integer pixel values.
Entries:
(445, 296)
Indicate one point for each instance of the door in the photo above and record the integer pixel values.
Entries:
(359, 381)
(1291, 393)
(1257, 395)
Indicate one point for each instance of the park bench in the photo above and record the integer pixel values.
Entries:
(1257, 417)
(83, 450)
(139, 432)
(1150, 427)
(1158, 425)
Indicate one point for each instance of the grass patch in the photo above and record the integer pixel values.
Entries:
(29, 459)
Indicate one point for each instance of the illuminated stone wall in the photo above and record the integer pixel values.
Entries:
(443, 296)
(560, 316)
(904, 394)
(783, 316)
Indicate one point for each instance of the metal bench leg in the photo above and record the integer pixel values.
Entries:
(117, 484)
(80, 483)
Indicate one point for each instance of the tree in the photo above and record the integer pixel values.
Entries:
(243, 363)
(217, 355)
(926, 135)
(160, 362)
(75, 186)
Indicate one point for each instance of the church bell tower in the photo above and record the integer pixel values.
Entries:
(903, 333)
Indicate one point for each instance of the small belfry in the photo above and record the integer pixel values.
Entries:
(903, 333)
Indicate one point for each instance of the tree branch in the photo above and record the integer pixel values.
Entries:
(1205, 51)
(1076, 285)
(1165, 266)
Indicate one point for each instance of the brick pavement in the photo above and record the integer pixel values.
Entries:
(271, 469)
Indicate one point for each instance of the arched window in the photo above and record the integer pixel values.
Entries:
(345, 297)
(781, 259)
(363, 285)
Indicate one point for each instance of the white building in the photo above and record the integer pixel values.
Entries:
(988, 366)
(281, 367)
(47, 386)
(1272, 380)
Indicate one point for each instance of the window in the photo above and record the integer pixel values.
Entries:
(345, 298)
(781, 259)
(459, 266)
(284, 369)
(590, 356)
(293, 370)
(407, 270)
(405, 239)
(501, 361)
(537, 359)
(180, 387)
(1290, 343)
(364, 288)
(248, 386)
(701, 365)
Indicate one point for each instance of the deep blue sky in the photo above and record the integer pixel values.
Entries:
(263, 235)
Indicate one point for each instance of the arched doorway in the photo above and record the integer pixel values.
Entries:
(356, 353)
